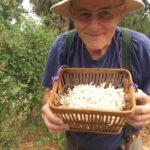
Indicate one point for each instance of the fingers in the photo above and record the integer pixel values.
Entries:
(50, 116)
(53, 128)
(142, 98)
(135, 123)
(142, 109)
(53, 123)
(142, 112)
(141, 117)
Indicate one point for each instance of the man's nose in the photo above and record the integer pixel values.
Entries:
(95, 22)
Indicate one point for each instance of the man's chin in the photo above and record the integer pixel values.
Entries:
(95, 47)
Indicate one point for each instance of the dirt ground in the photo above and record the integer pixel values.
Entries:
(30, 146)
(146, 138)
(54, 146)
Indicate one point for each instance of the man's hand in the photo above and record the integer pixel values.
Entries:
(53, 123)
(142, 111)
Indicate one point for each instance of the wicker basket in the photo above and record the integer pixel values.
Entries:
(99, 121)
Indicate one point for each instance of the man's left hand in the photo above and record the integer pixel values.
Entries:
(141, 116)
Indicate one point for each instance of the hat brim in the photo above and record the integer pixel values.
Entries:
(63, 8)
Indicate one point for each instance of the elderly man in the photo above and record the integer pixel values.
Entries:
(97, 42)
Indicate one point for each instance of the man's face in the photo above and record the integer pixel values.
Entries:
(96, 21)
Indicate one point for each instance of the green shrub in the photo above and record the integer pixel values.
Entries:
(23, 52)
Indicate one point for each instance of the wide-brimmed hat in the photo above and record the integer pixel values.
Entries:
(62, 8)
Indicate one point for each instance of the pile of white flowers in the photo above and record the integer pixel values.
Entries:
(94, 97)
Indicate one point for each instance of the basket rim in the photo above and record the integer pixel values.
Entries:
(96, 69)
(87, 110)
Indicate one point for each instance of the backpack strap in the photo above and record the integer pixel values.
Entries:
(126, 61)
(69, 40)
(70, 37)
(126, 48)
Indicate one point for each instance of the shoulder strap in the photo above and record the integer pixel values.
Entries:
(126, 61)
(69, 40)
(70, 37)
(126, 51)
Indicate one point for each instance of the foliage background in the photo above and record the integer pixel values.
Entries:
(23, 51)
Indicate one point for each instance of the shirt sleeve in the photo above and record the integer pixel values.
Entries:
(145, 61)
(141, 46)
(56, 58)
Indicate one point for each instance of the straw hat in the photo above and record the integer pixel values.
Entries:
(62, 7)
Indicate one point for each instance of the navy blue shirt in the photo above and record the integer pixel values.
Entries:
(76, 55)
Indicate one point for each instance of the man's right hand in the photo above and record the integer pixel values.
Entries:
(53, 123)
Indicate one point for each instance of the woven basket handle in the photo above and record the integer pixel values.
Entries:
(55, 86)
(54, 93)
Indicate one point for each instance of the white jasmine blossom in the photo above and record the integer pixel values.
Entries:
(94, 97)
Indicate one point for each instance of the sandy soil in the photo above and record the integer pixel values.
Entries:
(54, 146)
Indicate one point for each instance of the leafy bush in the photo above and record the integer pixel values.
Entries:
(137, 21)
(23, 51)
